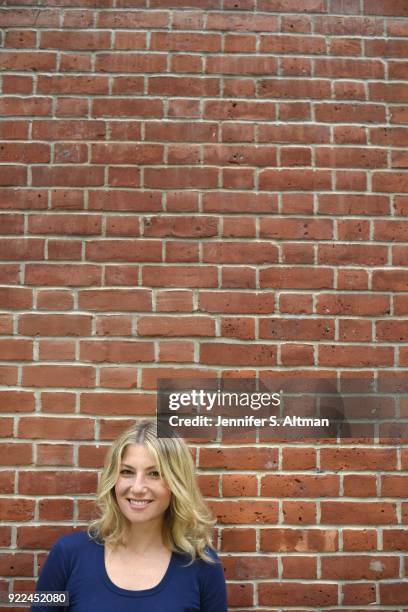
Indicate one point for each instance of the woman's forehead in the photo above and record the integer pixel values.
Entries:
(138, 453)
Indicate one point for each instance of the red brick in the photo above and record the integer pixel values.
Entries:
(299, 540)
(113, 325)
(242, 277)
(91, 456)
(16, 349)
(394, 593)
(353, 304)
(87, 510)
(339, 204)
(115, 299)
(120, 274)
(47, 299)
(82, 40)
(238, 539)
(62, 274)
(360, 539)
(65, 84)
(73, 62)
(292, 180)
(244, 511)
(351, 330)
(8, 375)
(57, 350)
(5, 536)
(236, 302)
(69, 130)
(124, 177)
(352, 279)
(359, 594)
(16, 564)
(67, 199)
(62, 176)
(39, 537)
(17, 401)
(355, 356)
(18, 298)
(14, 130)
(57, 454)
(360, 485)
(239, 485)
(126, 107)
(295, 303)
(249, 568)
(120, 378)
(280, 485)
(117, 403)
(239, 458)
(58, 376)
(394, 280)
(358, 513)
(57, 401)
(55, 325)
(124, 250)
(24, 153)
(124, 201)
(54, 482)
(394, 485)
(277, 328)
(370, 255)
(299, 567)
(242, 328)
(359, 567)
(71, 153)
(22, 248)
(299, 513)
(174, 301)
(56, 509)
(38, 106)
(6, 325)
(181, 178)
(16, 454)
(116, 351)
(180, 276)
(29, 17)
(237, 354)
(349, 113)
(176, 326)
(177, 351)
(297, 278)
(56, 428)
(240, 594)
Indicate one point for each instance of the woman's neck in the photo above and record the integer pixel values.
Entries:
(142, 539)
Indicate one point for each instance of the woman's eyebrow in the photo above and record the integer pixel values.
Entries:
(151, 467)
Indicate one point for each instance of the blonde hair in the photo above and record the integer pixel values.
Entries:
(188, 524)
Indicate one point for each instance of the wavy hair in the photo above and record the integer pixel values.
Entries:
(187, 525)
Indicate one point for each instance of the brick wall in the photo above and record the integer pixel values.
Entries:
(205, 188)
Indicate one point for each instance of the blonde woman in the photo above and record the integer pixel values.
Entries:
(150, 549)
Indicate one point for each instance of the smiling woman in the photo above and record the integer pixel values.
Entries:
(150, 548)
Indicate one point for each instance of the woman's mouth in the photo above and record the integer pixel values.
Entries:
(139, 503)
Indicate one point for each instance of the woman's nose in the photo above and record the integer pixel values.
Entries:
(139, 483)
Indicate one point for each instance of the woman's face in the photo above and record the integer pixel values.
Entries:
(140, 492)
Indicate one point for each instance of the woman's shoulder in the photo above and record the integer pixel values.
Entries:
(203, 567)
(73, 542)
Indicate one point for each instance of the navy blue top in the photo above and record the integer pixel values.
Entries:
(76, 564)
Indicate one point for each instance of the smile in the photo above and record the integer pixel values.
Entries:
(139, 503)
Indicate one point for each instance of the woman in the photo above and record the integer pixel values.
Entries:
(150, 549)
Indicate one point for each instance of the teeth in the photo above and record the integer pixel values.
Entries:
(138, 502)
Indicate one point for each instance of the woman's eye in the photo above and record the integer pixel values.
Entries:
(125, 472)
(155, 474)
